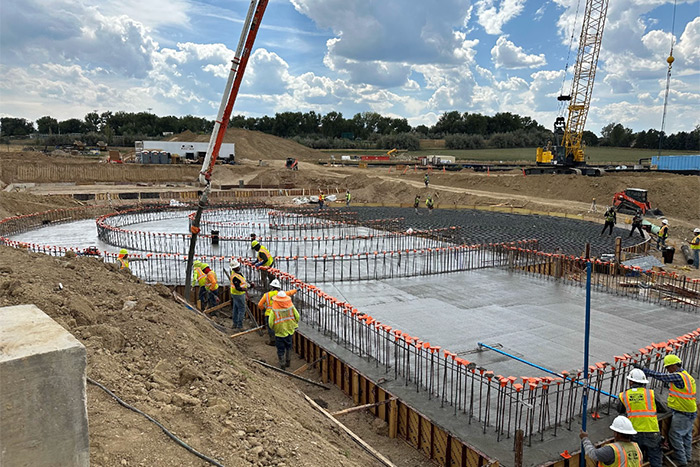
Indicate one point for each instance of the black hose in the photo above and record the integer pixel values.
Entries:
(165, 430)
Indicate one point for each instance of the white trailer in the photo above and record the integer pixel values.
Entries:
(187, 150)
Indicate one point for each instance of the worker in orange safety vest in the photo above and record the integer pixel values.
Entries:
(208, 284)
(284, 320)
(622, 452)
(265, 304)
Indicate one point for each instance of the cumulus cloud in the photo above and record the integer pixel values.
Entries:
(493, 15)
(508, 55)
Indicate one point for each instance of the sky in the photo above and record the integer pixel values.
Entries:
(413, 59)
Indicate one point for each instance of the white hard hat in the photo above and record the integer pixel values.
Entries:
(696, 231)
(281, 294)
(409, 231)
(622, 424)
(276, 284)
(638, 376)
(234, 264)
(664, 221)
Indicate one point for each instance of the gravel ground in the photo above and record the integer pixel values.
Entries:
(554, 234)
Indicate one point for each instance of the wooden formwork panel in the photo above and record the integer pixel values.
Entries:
(473, 459)
(426, 437)
(413, 428)
(458, 453)
(345, 371)
(402, 422)
(382, 411)
(440, 445)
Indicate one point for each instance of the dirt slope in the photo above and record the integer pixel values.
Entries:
(170, 363)
(256, 145)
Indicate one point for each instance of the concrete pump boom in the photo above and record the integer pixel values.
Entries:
(251, 25)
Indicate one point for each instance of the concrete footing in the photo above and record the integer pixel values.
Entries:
(43, 411)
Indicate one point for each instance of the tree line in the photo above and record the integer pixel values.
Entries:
(366, 130)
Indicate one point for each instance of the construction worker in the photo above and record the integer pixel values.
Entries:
(640, 406)
(205, 278)
(348, 197)
(662, 235)
(123, 258)
(622, 452)
(283, 319)
(264, 258)
(637, 223)
(321, 200)
(429, 203)
(426, 180)
(265, 304)
(695, 247)
(681, 401)
(610, 219)
(416, 202)
(239, 287)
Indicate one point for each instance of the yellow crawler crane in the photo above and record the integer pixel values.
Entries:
(567, 154)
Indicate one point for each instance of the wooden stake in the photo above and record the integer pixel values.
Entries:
(305, 366)
(356, 438)
(217, 307)
(518, 461)
(248, 331)
(362, 407)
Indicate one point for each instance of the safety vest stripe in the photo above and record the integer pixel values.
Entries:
(279, 318)
(640, 413)
(686, 392)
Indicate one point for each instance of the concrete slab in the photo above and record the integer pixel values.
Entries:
(541, 321)
(43, 411)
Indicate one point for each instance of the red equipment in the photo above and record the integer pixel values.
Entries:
(632, 200)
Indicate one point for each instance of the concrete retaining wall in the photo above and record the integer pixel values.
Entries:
(43, 412)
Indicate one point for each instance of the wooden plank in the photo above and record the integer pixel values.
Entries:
(217, 307)
(440, 441)
(413, 428)
(402, 422)
(324, 368)
(359, 407)
(473, 457)
(382, 409)
(393, 418)
(426, 437)
(355, 381)
(458, 453)
(356, 438)
(248, 331)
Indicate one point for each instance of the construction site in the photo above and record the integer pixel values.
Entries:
(458, 318)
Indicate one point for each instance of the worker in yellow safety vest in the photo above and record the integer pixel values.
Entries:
(239, 287)
(265, 304)
(205, 278)
(662, 235)
(682, 402)
(123, 258)
(284, 320)
(640, 405)
(263, 254)
(622, 452)
(695, 247)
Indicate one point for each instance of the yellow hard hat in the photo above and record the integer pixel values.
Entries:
(254, 243)
(671, 359)
(123, 251)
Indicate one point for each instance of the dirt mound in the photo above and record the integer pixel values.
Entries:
(172, 364)
(256, 145)
(17, 204)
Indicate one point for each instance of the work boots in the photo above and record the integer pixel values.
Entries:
(288, 357)
(282, 363)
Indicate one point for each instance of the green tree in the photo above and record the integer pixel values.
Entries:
(47, 125)
(93, 122)
(15, 126)
(72, 125)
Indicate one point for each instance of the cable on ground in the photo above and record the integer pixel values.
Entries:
(165, 430)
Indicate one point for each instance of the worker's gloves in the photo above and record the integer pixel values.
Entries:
(251, 285)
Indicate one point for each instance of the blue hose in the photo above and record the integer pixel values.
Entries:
(544, 369)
